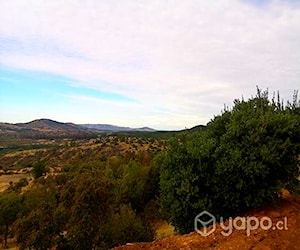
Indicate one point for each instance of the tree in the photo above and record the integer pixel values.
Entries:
(38, 227)
(10, 206)
(39, 169)
(86, 200)
(133, 185)
(243, 160)
(126, 226)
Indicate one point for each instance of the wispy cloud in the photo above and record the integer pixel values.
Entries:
(187, 57)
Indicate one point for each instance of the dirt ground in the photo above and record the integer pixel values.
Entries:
(286, 217)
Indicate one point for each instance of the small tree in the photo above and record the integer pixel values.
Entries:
(10, 206)
(39, 169)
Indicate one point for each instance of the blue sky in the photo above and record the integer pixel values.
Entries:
(36, 94)
(29, 87)
(162, 64)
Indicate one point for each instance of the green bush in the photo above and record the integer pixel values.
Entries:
(39, 169)
(242, 161)
(127, 226)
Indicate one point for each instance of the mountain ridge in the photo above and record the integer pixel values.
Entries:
(47, 128)
(114, 128)
(48, 124)
(51, 129)
(43, 129)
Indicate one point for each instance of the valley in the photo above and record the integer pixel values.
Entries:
(70, 187)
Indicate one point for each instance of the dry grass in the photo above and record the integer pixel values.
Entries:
(6, 179)
(12, 245)
(163, 230)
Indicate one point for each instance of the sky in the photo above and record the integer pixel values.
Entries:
(166, 64)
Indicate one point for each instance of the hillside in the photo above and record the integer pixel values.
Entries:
(50, 125)
(59, 153)
(238, 240)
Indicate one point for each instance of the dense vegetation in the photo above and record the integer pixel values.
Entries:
(99, 204)
(103, 198)
(243, 160)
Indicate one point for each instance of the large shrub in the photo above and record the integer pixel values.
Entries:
(126, 226)
(243, 160)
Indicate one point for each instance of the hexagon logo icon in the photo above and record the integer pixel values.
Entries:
(200, 223)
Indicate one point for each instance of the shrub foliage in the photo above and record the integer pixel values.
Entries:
(243, 160)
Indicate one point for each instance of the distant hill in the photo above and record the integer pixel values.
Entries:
(159, 134)
(197, 128)
(43, 129)
(50, 125)
(113, 128)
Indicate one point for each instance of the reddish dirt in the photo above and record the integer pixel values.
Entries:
(259, 239)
